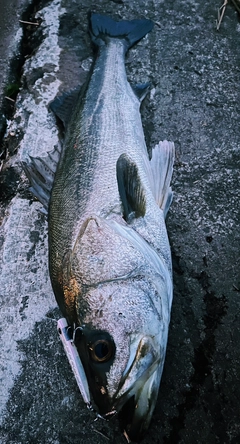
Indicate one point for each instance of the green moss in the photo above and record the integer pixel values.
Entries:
(12, 89)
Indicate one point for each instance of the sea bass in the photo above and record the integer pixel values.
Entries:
(109, 254)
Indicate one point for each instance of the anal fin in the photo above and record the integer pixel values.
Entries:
(162, 168)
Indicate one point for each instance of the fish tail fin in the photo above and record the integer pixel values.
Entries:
(162, 169)
(101, 27)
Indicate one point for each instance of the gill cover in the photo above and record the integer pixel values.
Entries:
(99, 254)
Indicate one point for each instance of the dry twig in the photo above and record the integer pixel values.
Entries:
(100, 433)
(29, 23)
(236, 288)
(221, 12)
(237, 5)
(9, 98)
(126, 436)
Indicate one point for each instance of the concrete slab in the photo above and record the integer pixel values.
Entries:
(10, 38)
(194, 101)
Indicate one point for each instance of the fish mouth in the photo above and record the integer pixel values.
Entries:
(138, 391)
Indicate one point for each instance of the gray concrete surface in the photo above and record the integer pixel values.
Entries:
(194, 101)
(10, 38)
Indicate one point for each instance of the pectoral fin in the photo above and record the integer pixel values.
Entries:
(141, 90)
(130, 187)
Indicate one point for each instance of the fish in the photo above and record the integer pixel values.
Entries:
(109, 254)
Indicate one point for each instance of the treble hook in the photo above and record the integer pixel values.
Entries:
(74, 332)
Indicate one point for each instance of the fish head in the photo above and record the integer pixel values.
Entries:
(122, 346)
(124, 312)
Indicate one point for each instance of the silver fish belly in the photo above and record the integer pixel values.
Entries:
(109, 254)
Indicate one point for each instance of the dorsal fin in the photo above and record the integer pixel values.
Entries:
(63, 105)
(130, 187)
(40, 172)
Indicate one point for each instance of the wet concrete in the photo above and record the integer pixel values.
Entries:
(194, 101)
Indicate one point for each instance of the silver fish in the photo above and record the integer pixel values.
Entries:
(109, 254)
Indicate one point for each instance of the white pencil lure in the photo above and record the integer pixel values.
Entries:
(74, 360)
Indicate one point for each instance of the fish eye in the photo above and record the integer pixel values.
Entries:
(101, 350)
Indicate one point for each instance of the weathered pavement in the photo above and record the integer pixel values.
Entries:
(194, 101)
(10, 37)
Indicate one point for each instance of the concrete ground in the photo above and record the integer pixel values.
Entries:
(10, 38)
(194, 101)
